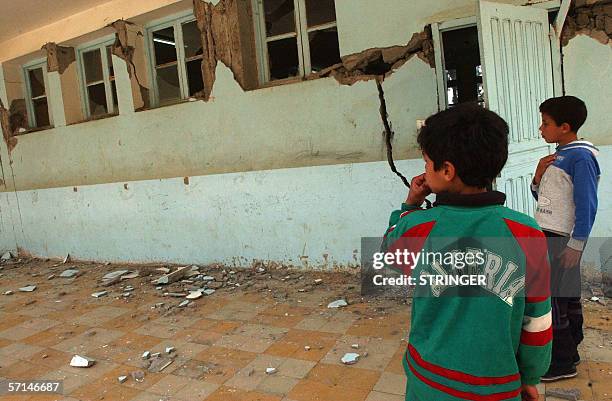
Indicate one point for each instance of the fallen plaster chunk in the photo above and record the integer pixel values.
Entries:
(160, 364)
(208, 278)
(51, 276)
(170, 350)
(164, 270)
(6, 256)
(9, 292)
(130, 275)
(126, 294)
(208, 291)
(138, 375)
(337, 304)
(115, 274)
(194, 295)
(318, 281)
(128, 288)
(175, 294)
(99, 294)
(174, 276)
(66, 259)
(146, 355)
(156, 355)
(307, 348)
(195, 268)
(350, 358)
(572, 394)
(69, 273)
(28, 288)
(271, 371)
(184, 304)
(355, 346)
(122, 379)
(81, 361)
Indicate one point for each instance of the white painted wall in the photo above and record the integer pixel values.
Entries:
(279, 215)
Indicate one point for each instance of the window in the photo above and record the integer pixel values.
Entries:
(296, 37)
(98, 79)
(175, 49)
(35, 78)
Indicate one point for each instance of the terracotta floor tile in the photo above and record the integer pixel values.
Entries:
(396, 363)
(136, 341)
(293, 343)
(231, 394)
(338, 375)
(308, 390)
(169, 385)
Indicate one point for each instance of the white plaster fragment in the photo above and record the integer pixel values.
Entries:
(81, 361)
(350, 358)
(337, 304)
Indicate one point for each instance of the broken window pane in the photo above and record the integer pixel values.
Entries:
(192, 39)
(92, 63)
(194, 76)
(37, 82)
(41, 112)
(168, 83)
(280, 17)
(324, 48)
(283, 58)
(97, 99)
(109, 55)
(320, 12)
(164, 45)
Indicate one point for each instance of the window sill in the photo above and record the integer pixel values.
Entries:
(95, 118)
(33, 130)
(168, 104)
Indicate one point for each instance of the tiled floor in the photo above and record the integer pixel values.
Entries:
(225, 342)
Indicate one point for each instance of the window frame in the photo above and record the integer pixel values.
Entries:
(175, 21)
(26, 68)
(99, 44)
(303, 44)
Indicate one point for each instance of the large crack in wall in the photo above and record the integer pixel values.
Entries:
(379, 63)
(7, 133)
(124, 47)
(587, 17)
(58, 57)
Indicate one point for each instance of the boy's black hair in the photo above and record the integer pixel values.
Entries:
(473, 139)
(566, 109)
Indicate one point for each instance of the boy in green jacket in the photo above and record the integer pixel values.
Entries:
(487, 339)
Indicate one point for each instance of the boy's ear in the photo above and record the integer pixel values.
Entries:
(565, 127)
(448, 170)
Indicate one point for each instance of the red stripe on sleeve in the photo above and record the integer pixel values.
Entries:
(536, 339)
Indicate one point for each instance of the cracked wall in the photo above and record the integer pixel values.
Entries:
(227, 36)
(129, 46)
(591, 18)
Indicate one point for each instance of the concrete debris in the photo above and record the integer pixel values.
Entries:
(138, 376)
(156, 355)
(261, 270)
(69, 273)
(170, 350)
(6, 256)
(9, 292)
(130, 275)
(99, 294)
(350, 358)
(184, 304)
(128, 288)
(595, 299)
(126, 294)
(194, 295)
(172, 277)
(208, 291)
(28, 288)
(51, 276)
(337, 304)
(307, 348)
(318, 281)
(82, 361)
(159, 364)
(115, 274)
(164, 270)
(66, 259)
(207, 278)
(355, 346)
(175, 294)
(194, 268)
(271, 371)
(146, 355)
(572, 394)
(122, 379)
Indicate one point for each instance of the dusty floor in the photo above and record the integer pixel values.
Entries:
(225, 341)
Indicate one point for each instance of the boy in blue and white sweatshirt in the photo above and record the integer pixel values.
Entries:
(565, 187)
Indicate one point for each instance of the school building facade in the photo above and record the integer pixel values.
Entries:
(238, 130)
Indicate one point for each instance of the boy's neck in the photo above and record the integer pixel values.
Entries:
(570, 137)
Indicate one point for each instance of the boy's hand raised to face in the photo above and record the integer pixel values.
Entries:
(542, 166)
(418, 191)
